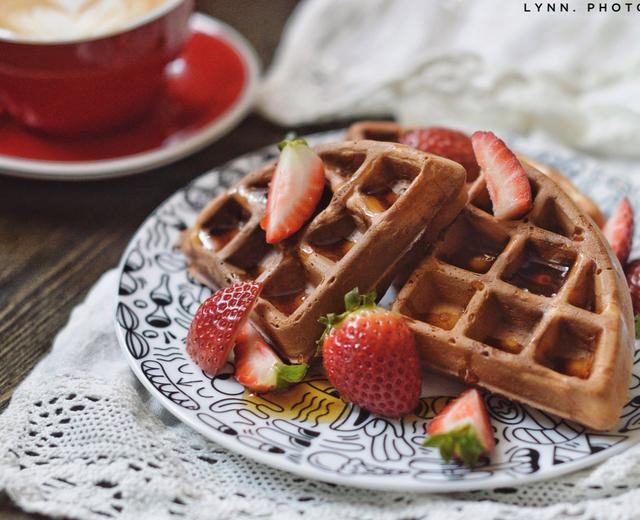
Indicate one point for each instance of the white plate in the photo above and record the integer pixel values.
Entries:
(310, 431)
(176, 148)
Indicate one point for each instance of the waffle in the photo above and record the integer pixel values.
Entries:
(379, 199)
(390, 131)
(535, 309)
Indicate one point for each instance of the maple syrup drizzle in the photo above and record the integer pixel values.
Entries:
(215, 238)
(289, 302)
(225, 224)
(474, 257)
(336, 250)
(507, 344)
(380, 200)
(315, 399)
(572, 352)
(576, 367)
(252, 273)
(443, 316)
(540, 276)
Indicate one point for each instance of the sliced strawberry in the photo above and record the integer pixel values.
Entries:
(444, 142)
(258, 368)
(506, 178)
(462, 429)
(294, 192)
(619, 230)
(217, 323)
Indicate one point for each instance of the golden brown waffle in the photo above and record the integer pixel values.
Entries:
(390, 131)
(380, 198)
(535, 309)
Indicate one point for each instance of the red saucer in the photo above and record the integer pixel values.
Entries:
(209, 88)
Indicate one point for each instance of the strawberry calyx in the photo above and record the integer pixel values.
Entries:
(353, 302)
(461, 442)
(290, 141)
(289, 374)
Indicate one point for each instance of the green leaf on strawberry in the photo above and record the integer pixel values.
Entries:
(291, 140)
(637, 326)
(462, 442)
(289, 374)
(353, 301)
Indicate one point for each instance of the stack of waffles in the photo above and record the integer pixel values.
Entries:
(380, 198)
(535, 309)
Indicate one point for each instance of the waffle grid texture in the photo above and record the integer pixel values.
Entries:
(586, 317)
(428, 192)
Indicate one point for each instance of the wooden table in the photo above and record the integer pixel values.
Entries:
(57, 238)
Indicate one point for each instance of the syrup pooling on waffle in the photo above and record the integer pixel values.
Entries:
(378, 200)
(532, 308)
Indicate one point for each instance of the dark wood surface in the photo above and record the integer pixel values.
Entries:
(57, 238)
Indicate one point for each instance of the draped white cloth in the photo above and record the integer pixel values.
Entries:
(573, 76)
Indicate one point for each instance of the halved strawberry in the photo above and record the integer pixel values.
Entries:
(462, 429)
(506, 178)
(259, 368)
(619, 230)
(444, 142)
(294, 191)
(217, 323)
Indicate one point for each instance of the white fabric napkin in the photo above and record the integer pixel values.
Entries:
(83, 439)
(472, 64)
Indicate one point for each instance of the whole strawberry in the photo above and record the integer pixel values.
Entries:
(370, 357)
(217, 323)
(444, 142)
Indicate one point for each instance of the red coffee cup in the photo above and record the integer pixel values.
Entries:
(91, 85)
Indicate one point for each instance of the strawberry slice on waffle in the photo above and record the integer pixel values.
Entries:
(506, 178)
(294, 191)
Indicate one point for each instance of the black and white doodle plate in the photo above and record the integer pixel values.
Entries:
(310, 431)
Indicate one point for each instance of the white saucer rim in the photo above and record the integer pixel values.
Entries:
(154, 158)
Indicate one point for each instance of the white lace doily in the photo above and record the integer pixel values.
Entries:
(82, 438)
